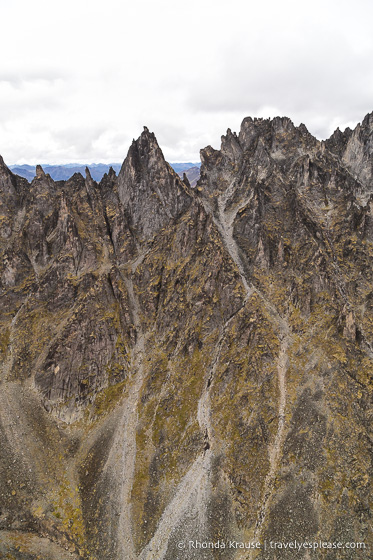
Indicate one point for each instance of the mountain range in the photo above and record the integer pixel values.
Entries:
(97, 170)
(183, 367)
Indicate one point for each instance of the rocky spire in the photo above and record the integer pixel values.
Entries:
(186, 180)
(338, 141)
(9, 199)
(150, 191)
(88, 174)
(230, 145)
(368, 121)
(4, 169)
(112, 173)
(357, 151)
(39, 174)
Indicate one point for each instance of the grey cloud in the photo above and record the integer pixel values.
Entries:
(72, 135)
(311, 62)
(96, 144)
(78, 140)
(21, 96)
(19, 78)
(304, 83)
(168, 134)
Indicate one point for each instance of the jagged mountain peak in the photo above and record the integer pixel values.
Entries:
(230, 145)
(5, 171)
(368, 121)
(210, 350)
(355, 149)
(88, 174)
(343, 136)
(336, 143)
(274, 132)
(39, 173)
(145, 143)
(279, 138)
(262, 145)
(7, 178)
(149, 188)
(142, 154)
(112, 173)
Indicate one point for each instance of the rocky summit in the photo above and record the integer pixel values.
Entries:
(186, 371)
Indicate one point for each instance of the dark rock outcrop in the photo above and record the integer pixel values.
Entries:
(150, 191)
(355, 148)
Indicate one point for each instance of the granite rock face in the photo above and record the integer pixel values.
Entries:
(190, 365)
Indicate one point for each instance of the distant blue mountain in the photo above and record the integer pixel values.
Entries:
(64, 172)
(97, 170)
(26, 171)
(180, 167)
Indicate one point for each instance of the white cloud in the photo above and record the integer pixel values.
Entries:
(83, 77)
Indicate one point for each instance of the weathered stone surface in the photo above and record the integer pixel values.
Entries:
(151, 193)
(190, 364)
(355, 148)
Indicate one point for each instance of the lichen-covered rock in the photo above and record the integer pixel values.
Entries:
(184, 365)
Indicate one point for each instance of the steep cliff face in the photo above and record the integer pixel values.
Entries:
(190, 364)
(151, 193)
(355, 149)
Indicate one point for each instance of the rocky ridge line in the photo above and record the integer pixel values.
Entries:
(199, 359)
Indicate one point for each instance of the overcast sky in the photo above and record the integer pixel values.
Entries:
(80, 78)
